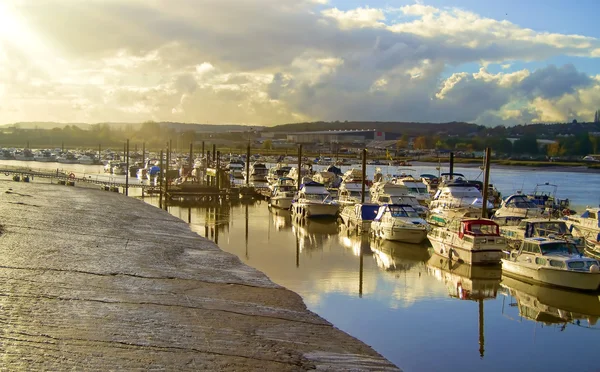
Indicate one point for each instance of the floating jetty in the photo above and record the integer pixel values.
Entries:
(98, 281)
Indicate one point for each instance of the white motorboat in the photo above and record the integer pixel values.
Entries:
(554, 262)
(44, 156)
(470, 240)
(278, 171)
(25, 155)
(87, 160)
(350, 193)
(539, 228)
(313, 200)
(258, 173)
(119, 168)
(515, 208)
(399, 222)
(236, 170)
(457, 194)
(283, 193)
(415, 187)
(305, 175)
(329, 179)
(353, 175)
(586, 225)
(432, 182)
(359, 216)
(67, 158)
(389, 193)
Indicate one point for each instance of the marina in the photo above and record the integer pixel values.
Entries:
(404, 300)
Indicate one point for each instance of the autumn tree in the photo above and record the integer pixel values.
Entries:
(268, 145)
(420, 143)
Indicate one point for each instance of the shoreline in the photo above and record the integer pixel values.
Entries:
(99, 280)
(554, 168)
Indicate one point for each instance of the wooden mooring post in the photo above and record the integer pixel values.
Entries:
(127, 168)
(160, 181)
(364, 176)
(167, 178)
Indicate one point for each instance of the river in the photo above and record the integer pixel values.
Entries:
(410, 306)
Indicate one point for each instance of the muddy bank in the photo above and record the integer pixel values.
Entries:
(92, 280)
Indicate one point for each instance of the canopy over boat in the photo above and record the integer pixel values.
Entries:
(479, 227)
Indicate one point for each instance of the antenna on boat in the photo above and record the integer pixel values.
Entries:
(486, 182)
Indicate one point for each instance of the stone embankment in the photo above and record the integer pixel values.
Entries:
(92, 280)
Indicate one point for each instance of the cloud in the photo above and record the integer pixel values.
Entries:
(275, 61)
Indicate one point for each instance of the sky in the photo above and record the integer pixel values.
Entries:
(268, 62)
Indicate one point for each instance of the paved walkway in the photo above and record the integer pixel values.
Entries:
(93, 280)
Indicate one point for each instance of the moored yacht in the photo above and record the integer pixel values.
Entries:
(554, 262)
(350, 193)
(539, 228)
(258, 173)
(471, 240)
(389, 193)
(586, 225)
(515, 208)
(313, 200)
(399, 222)
(415, 187)
(457, 194)
(277, 171)
(283, 193)
(359, 216)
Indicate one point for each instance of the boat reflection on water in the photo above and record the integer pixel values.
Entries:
(282, 219)
(551, 305)
(313, 234)
(360, 245)
(467, 282)
(397, 256)
(464, 281)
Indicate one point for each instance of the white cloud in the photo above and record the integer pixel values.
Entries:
(274, 61)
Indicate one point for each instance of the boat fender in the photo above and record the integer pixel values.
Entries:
(72, 176)
(571, 228)
(594, 269)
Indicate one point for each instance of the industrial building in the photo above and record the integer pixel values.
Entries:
(336, 136)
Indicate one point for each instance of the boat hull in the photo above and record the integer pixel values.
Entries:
(315, 210)
(399, 233)
(579, 280)
(469, 256)
(281, 203)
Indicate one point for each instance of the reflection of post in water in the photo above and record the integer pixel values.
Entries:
(297, 251)
(190, 215)
(247, 231)
(481, 338)
(206, 222)
(364, 247)
(217, 214)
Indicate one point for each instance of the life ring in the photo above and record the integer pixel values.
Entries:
(71, 176)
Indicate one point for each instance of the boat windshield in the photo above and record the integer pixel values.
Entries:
(410, 200)
(404, 211)
(417, 190)
(550, 227)
(482, 229)
(315, 197)
(286, 188)
(558, 247)
(520, 202)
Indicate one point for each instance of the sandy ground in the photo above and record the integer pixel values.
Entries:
(93, 280)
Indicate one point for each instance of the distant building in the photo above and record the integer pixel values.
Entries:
(336, 136)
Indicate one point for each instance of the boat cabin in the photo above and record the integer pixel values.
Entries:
(478, 228)
(396, 211)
